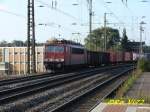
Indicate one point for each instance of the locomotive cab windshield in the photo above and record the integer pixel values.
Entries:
(54, 48)
(54, 56)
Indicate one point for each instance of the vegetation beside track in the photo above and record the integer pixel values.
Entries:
(142, 66)
(128, 83)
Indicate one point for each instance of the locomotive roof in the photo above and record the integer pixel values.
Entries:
(63, 42)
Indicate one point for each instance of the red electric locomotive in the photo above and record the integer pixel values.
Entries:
(62, 54)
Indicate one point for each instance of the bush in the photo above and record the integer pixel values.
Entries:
(144, 65)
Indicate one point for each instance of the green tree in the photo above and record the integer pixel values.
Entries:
(17, 43)
(95, 41)
(124, 41)
(146, 49)
(3, 43)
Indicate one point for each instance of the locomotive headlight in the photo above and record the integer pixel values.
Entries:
(57, 60)
(50, 59)
(61, 60)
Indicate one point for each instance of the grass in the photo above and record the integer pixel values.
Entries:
(128, 83)
(142, 66)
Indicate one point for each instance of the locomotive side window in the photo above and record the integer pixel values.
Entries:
(55, 49)
(77, 51)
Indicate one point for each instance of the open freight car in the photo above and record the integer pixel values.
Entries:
(97, 58)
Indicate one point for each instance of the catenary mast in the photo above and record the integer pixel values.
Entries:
(31, 38)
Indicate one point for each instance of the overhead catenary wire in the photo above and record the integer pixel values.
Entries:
(115, 16)
(120, 21)
(129, 10)
(62, 12)
(58, 10)
(55, 25)
(12, 13)
(43, 3)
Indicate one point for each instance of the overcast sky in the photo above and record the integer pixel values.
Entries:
(13, 18)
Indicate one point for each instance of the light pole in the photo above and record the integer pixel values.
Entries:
(90, 20)
(141, 44)
(105, 37)
(105, 31)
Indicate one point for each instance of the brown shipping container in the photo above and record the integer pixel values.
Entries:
(113, 57)
(119, 56)
(128, 56)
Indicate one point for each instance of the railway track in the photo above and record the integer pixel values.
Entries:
(37, 86)
(34, 77)
(31, 77)
(53, 83)
(33, 86)
(20, 82)
(85, 102)
(11, 83)
(20, 79)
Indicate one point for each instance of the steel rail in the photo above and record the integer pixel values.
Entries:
(15, 93)
(34, 77)
(60, 107)
(24, 78)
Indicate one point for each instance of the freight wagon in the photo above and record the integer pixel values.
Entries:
(98, 58)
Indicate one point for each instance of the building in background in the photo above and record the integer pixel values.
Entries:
(13, 60)
(4, 68)
(135, 46)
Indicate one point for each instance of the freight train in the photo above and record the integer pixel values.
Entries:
(65, 54)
